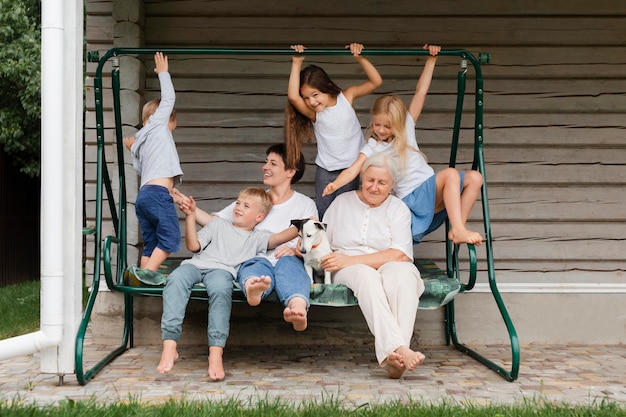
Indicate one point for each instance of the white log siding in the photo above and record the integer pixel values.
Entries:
(554, 115)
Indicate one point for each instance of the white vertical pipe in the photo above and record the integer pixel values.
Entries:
(52, 188)
(60, 360)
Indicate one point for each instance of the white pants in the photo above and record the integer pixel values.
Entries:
(388, 298)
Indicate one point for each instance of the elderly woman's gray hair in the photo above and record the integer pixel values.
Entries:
(382, 160)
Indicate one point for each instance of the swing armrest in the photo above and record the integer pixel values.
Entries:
(473, 268)
(108, 267)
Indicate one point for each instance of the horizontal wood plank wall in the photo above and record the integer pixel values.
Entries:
(555, 99)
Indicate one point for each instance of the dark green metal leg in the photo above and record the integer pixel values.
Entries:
(509, 375)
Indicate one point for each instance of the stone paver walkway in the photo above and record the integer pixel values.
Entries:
(572, 374)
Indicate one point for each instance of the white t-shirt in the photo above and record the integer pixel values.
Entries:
(338, 134)
(279, 218)
(416, 169)
(354, 228)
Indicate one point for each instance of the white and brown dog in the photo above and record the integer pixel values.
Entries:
(314, 246)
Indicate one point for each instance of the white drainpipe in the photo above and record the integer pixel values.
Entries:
(52, 188)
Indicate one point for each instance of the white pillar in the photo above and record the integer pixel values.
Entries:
(60, 360)
(61, 190)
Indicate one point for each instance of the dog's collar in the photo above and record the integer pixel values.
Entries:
(318, 243)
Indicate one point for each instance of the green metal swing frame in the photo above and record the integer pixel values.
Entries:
(118, 211)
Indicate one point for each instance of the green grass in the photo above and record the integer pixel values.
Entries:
(19, 309)
(278, 408)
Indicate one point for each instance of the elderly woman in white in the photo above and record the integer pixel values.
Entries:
(370, 234)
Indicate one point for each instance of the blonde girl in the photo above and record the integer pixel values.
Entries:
(431, 197)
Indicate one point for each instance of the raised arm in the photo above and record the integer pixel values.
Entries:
(346, 175)
(293, 88)
(374, 80)
(183, 201)
(423, 84)
(191, 234)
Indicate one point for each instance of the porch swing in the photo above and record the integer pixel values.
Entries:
(441, 287)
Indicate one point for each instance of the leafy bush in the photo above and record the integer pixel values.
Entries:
(20, 81)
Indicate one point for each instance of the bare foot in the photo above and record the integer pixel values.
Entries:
(255, 287)
(410, 358)
(394, 366)
(295, 313)
(465, 236)
(168, 357)
(216, 366)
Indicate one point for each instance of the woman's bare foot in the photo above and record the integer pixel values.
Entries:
(255, 287)
(216, 366)
(168, 357)
(394, 366)
(465, 236)
(410, 358)
(295, 313)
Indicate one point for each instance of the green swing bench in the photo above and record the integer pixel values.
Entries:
(441, 285)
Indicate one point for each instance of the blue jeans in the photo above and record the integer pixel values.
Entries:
(219, 288)
(157, 217)
(289, 279)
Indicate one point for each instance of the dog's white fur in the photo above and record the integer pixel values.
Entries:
(314, 246)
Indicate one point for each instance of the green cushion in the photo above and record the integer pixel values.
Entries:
(337, 295)
(439, 289)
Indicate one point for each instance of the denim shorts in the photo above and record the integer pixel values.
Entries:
(421, 201)
(158, 219)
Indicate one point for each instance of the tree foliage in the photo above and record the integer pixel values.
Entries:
(20, 82)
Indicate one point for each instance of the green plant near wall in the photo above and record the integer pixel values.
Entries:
(20, 82)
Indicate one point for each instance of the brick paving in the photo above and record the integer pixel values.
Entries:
(578, 374)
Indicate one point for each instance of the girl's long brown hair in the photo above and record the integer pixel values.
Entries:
(299, 128)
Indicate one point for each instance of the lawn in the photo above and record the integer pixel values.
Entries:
(278, 408)
(19, 309)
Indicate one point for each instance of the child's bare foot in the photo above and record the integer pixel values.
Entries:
(394, 366)
(295, 313)
(168, 357)
(216, 366)
(255, 287)
(465, 236)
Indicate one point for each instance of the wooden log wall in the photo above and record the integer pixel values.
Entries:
(555, 99)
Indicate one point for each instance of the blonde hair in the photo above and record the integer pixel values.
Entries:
(150, 107)
(395, 109)
(263, 198)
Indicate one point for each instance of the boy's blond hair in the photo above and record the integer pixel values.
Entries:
(150, 107)
(263, 198)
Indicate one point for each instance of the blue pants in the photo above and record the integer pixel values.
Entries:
(322, 179)
(219, 288)
(289, 279)
(158, 219)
